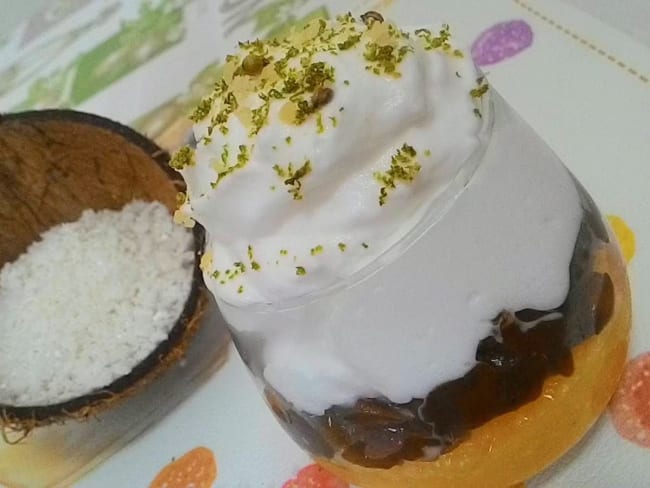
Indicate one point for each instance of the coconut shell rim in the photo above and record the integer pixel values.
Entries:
(25, 418)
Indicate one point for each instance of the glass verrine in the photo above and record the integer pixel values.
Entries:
(426, 296)
(537, 373)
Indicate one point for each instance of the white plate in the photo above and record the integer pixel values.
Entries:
(582, 85)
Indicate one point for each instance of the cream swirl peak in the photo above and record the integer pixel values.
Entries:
(319, 151)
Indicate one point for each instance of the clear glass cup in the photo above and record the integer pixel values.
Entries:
(540, 372)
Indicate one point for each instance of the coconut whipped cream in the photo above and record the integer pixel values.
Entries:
(391, 138)
(318, 152)
(505, 244)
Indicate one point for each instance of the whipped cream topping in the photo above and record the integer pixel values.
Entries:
(318, 152)
(304, 179)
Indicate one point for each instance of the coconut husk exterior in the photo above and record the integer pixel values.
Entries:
(54, 164)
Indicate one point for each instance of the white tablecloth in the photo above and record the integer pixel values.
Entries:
(602, 134)
(629, 16)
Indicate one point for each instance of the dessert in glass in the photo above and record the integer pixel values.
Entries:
(425, 295)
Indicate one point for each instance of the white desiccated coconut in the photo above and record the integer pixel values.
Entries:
(89, 301)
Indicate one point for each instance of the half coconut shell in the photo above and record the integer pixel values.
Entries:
(54, 164)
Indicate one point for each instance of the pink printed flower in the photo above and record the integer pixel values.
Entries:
(502, 41)
(630, 407)
(313, 476)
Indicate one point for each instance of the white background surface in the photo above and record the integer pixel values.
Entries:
(629, 16)
(261, 456)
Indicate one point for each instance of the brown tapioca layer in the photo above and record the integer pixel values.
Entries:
(525, 349)
(517, 445)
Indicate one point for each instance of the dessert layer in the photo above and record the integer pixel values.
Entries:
(318, 152)
(506, 243)
(348, 241)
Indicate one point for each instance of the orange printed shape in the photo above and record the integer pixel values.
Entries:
(624, 235)
(313, 476)
(196, 469)
(630, 407)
